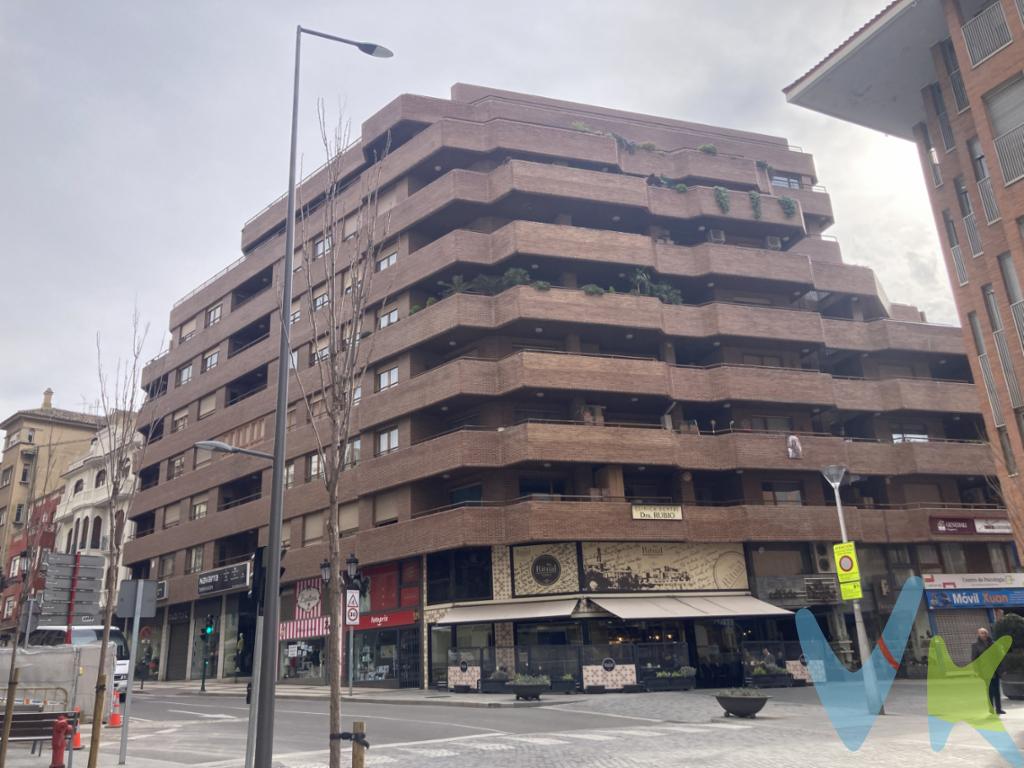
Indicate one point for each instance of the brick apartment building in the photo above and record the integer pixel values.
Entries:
(618, 459)
(947, 74)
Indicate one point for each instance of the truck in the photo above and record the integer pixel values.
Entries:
(86, 635)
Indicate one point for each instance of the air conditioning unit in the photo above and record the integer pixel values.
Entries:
(773, 243)
(716, 235)
(824, 562)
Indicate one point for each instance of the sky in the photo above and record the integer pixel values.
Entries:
(138, 136)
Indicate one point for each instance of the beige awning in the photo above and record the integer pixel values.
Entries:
(517, 610)
(655, 607)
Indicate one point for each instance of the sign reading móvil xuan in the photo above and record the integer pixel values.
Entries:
(847, 568)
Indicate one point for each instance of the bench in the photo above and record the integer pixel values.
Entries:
(34, 726)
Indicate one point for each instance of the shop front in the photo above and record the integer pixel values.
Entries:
(960, 603)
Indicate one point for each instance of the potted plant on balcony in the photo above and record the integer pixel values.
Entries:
(770, 676)
(742, 702)
(1012, 668)
(564, 684)
(529, 687)
(496, 683)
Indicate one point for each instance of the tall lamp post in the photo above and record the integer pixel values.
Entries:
(264, 751)
(833, 474)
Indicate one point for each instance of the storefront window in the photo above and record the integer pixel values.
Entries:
(459, 574)
(440, 643)
(239, 635)
(376, 655)
(150, 647)
(303, 659)
(953, 558)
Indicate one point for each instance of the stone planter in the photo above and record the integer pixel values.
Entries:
(528, 692)
(741, 706)
(563, 686)
(1013, 689)
(771, 681)
(654, 684)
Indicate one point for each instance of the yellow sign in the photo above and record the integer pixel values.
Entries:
(850, 590)
(846, 561)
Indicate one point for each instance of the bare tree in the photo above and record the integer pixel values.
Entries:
(345, 254)
(119, 443)
(1009, 489)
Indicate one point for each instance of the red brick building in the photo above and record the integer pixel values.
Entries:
(36, 537)
(618, 458)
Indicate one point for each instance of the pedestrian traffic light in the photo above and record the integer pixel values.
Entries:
(208, 629)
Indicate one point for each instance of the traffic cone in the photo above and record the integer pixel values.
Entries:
(115, 714)
(76, 742)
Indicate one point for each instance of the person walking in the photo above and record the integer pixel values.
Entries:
(982, 644)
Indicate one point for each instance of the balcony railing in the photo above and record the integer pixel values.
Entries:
(1004, 361)
(988, 198)
(948, 139)
(971, 226)
(956, 80)
(958, 262)
(987, 33)
(1017, 310)
(1010, 149)
(990, 389)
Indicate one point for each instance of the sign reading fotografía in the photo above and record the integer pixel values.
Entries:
(657, 512)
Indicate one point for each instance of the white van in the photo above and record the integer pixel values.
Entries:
(87, 635)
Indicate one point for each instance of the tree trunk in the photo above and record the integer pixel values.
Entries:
(335, 629)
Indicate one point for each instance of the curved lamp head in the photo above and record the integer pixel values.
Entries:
(351, 565)
(215, 445)
(372, 49)
(834, 473)
(325, 571)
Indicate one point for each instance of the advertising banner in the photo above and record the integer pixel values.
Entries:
(939, 599)
(671, 566)
(545, 569)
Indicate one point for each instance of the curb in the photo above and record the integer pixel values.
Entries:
(417, 701)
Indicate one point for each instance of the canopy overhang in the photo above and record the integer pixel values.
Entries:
(520, 610)
(636, 607)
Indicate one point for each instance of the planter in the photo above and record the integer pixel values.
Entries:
(741, 706)
(771, 681)
(670, 683)
(494, 686)
(596, 689)
(462, 689)
(528, 692)
(1013, 689)
(563, 686)
(633, 688)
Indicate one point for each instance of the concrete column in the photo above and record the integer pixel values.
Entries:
(609, 478)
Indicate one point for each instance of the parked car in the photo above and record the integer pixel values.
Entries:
(87, 635)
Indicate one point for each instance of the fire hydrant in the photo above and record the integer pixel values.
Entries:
(59, 742)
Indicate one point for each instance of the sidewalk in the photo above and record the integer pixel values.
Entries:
(364, 695)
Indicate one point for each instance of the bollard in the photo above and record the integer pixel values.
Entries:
(358, 752)
(59, 741)
(248, 693)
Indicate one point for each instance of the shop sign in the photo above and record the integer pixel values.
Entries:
(973, 580)
(379, 620)
(939, 599)
(223, 579)
(608, 664)
(969, 526)
(657, 512)
(545, 570)
(672, 566)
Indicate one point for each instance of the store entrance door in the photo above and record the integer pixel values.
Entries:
(177, 642)
(409, 658)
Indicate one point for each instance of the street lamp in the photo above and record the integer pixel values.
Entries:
(264, 752)
(216, 446)
(352, 567)
(833, 475)
(325, 571)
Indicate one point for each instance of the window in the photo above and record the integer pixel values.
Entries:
(8, 607)
(771, 423)
(313, 528)
(1010, 281)
(19, 514)
(293, 418)
(188, 329)
(353, 451)
(296, 312)
(314, 467)
(357, 394)
(166, 566)
(767, 361)
(978, 161)
(176, 466)
(909, 432)
(939, 104)
(12, 438)
(321, 246)
(387, 378)
(782, 492)
(97, 533)
(172, 514)
(787, 180)
(210, 360)
(346, 281)
(79, 487)
(85, 533)
(26, 472)
(387, 440)
(194, 559)
(387, 261)
(459, 574)
(207, 405)
(101, 478)
(1008, 457)
(289, 474)
(319, 351)
(963, 199)
(202, 457)
(30, 436)
(180, 420)
(387, 317)
(320, 297)
(5, 477)
(184, 374)
(198, 508)
(3, 515)
(213, 315)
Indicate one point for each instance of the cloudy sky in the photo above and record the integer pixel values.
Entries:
(137, 137)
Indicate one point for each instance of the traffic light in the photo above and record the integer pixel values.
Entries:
(208, 628)
(259, 575)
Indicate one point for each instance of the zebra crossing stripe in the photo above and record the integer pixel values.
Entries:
(430, 752)
(541, 740)
(588, 736)
(488, 747)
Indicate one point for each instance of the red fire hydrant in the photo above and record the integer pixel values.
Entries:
(61, 730)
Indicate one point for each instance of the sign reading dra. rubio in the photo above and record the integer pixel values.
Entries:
(351, 607)
(657, 512)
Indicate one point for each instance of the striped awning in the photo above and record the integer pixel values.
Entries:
(318, 626)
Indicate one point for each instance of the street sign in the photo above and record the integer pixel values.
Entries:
(351, 607)
(850, 590)
(847, 568)
(161, 590)
(87, 561)
(223, 579)
(126, 599)
(77, 618)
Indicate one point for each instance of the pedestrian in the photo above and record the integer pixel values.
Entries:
(982, 644)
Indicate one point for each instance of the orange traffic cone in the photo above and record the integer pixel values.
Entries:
(115, 714)
(76, 742)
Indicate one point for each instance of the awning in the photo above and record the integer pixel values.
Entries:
(654, 607)
(510, 611)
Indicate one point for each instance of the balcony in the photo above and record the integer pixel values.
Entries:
(958, 264)
(988, 198)
(1010, 149)
(971, 227)
(987, 33)
(249, 336)
(956, 80)
(252, 287)
(246, 386)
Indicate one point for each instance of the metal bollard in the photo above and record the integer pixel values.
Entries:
(248, 693)
(358, 752)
